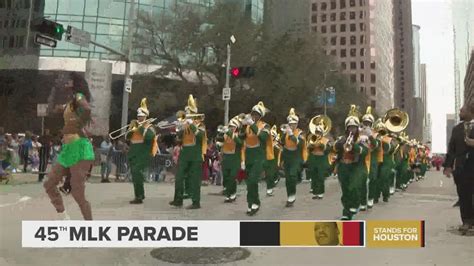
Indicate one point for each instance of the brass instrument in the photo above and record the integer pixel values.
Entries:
(116, 134)
(276, 138)
(349, 144)
(284, 127)
(222, 129)
(396, 120)
(321, 120)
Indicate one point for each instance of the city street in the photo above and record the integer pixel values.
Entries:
(430, 199)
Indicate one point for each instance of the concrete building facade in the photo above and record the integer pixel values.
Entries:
(360, 35)
(469, 80)
(286, 17)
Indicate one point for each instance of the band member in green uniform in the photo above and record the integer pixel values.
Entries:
(271, 166)
(294, 154)
(385, 175)
(193, 138)
(231, 149)
(352, 153)
(143, 147)
(258, 148)
(319, 148)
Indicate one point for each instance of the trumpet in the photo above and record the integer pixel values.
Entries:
(222, 129)
(313, 138)
(284, 127)
(349, 144)
(116, 134)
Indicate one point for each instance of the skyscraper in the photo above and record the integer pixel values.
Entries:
(360, 35)
(286, 17)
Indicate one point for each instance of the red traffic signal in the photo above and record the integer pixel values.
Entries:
(242, 72)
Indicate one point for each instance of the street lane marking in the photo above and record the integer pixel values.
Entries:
(22, 199)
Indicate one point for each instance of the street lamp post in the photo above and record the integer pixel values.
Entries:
(227, 79)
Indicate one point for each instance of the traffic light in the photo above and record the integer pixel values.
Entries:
(242, 72)
(50, 29)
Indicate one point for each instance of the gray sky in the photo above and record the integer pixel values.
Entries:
(436, 45)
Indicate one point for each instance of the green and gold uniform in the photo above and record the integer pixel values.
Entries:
(319, 165)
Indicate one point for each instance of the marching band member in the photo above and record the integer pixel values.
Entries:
(258, 147)
(369, 185)
(293, 155)
(386, 174)
(231, 159)
(77, 153)
(271, 166)
(143, 147)
(351, 168)
(194, 141)
(318, 161)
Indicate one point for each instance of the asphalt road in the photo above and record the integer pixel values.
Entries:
(430, 199)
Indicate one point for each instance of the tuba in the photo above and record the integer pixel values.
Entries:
(276, 138)
(396, 120)
(322, 120)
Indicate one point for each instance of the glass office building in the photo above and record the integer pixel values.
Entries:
(105, 20)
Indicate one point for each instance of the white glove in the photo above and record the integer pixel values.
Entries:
(189, 121)
(242, 165)
(248, 121)
(289, 131)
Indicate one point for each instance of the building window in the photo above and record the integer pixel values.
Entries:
(342, 3)
(372, 78)
(325, 41)
(343, 65)
(353, 27)
(323, 17)
(353, 65)
(315, 29)
(362, 39)
(342, 40)
(362, 89)
(333, 4)
(403, 106)
(343, 53)
(353, 52)
(314, 18)
(20, 41)
(362, 2)
(314, 7)
(372, 103)
(323, 29)
(372, 65)
(342, 16)
(343, 27)
(324, 6)
(11, 43)
(333, 40)
(353, 40)
(333, 28)
(362, 26)
(362, 65)
(333, 52)
(23, 23)
(373, 91)
(362, 78)
(333, 16)
(352, 15)
(353, 78)
(361, 14)
(352, 3)
(362, 51)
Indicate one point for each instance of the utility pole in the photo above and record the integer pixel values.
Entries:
(227, 84)
(131, 15)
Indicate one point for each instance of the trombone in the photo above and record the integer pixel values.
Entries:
(116, 134)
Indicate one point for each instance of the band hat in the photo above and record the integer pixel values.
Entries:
(191, 108)
(292, 117)
(352, 118)
(235, 122)
(260, 109)
(368, 117)
(143, 109)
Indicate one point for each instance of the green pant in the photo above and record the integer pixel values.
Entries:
(189, 172)
(271, 172)
(349, 179)
(423, 169)
(137, 168)
(230, 169)
(254, 170)
(291, 176)
(374, 171)
(318, 167)
(384, 180)
(364, 187)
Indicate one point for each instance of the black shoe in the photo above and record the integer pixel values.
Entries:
(194, 206)
(229, 200)
(176, 204)
(376, 201)
(136, 201)
(253, 212)
(105, 181)
(385, 199)
(456, 204)
(289, 204)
